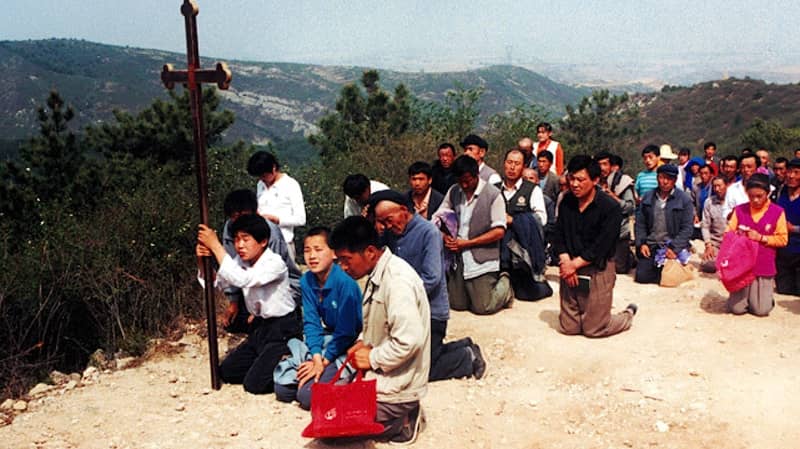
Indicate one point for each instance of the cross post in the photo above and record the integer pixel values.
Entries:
(193, 78)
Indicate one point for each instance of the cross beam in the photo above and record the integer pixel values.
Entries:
(193, 78)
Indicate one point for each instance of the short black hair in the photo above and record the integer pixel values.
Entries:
(547, 127)
(514, 150)
(708, 145)
(420, 167)
(464, 164)
(354, 234)
(545, 154)
(319, 230)
(781, 160)
(252, 224)
(684, 152)
(731, 157)
(747, 150)
(748, 156)
(262, 162)
(603, 155)
(444, 145)
(581, 162)
(617, 160)
(355, 185)
(242, 200)
(650, 149)
(759, 181)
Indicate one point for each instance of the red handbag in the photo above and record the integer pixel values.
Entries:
(343, 410)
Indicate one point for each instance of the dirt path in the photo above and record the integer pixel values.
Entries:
(686, 375)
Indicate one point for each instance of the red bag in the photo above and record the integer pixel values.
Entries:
(343, 410)
(735, 261)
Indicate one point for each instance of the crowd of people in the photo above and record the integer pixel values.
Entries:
(380, 285)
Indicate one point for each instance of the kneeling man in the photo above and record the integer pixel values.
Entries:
(586, 232)
(396, 339)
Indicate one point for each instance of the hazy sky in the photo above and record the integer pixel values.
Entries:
(367, 32)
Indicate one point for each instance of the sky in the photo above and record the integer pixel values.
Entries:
(431, 32)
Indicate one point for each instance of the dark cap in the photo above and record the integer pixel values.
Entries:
(389, 195)
(669, 170)
(472, 139)
(794, 163)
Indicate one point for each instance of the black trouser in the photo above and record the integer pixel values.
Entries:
(646, 270)
(623, 259)
(787, 281)
(252, 362)
(451, 360)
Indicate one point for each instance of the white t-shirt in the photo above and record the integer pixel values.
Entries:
(283, 199)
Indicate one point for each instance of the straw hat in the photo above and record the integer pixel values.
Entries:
(665, 152)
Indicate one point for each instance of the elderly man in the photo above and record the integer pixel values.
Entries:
(418, 242)
(395, 345)
(664, 220)
(476, 283)
(586, 229)
(476, 148)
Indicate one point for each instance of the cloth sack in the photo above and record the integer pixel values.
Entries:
(675, 273)
(343, 410)
(735, 261)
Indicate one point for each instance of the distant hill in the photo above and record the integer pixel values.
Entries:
(272, 101)
(716, 110)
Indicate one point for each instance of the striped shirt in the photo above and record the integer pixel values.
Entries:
(646, 181)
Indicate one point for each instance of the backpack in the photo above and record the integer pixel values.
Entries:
(735, 261)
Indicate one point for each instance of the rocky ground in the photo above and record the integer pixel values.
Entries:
(687, 375)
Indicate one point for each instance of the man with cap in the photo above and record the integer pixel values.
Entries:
(666, 155)
(787, 261)
(664, 220)
(417, 241)
(476, 148)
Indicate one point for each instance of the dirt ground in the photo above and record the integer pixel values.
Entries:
(687, 375)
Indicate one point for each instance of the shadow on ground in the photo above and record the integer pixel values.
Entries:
(551, 318)
(792, 305)
(714, 302)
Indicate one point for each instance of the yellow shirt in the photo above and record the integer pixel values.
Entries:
(779, 238)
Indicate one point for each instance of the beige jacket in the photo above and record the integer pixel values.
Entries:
(397, 326)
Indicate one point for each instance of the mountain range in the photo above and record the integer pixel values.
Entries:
(272, 101)
(282, 102)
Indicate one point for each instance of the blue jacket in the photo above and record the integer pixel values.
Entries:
(421, 246)
(333, 309)
(679, 214)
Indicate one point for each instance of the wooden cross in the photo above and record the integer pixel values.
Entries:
(193, 78)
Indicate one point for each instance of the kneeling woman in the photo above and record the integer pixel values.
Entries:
(764, 223)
